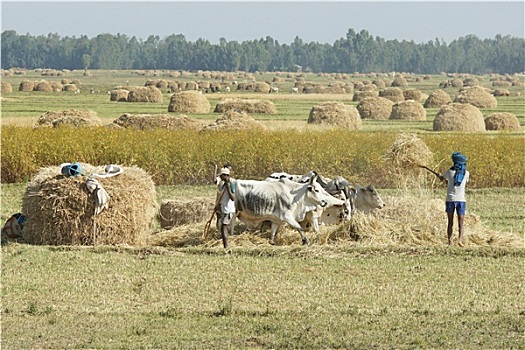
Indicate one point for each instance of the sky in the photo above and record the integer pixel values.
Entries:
(311, 21)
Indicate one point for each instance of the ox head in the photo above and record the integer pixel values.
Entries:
(372, 198)
(318, 196)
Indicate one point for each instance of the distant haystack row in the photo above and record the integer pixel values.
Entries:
(46, 86)
(136, 94)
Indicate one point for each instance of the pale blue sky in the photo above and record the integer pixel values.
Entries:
(323, 22)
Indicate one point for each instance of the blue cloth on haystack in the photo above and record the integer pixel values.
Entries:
(460, 166)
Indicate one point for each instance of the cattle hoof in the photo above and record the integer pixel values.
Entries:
(305, 241)
(272, 242)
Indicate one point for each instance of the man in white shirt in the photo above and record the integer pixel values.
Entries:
(225, 204)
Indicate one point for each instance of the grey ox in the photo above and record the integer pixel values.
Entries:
(280, 202)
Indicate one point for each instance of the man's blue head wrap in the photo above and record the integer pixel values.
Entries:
(460, 166)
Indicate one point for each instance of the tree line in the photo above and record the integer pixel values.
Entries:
(356, 52)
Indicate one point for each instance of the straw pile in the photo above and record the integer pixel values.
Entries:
(6, 87)
(145, 94)
(157, 121)
(399, 81)
(361, 95)
(408, 151)
(337, 114)
(375, 108)
(71, 117)
(119, 95)
(248, 106)
(502, 122)
(182, 212)
(69, 87)
(189, 102)
(26, 86)
(234, 119)
(394, 94)
(437, 99)
(60, 210)
(459, 117)
(408, 110)
(43, 86)
(412, 94)
(477, 96)
(501, 92)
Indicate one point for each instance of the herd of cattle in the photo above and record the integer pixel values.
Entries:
(301, 201)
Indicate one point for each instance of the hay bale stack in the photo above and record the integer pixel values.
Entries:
(248, 106)
(182, 212)
(189, 102)
(437, 99)
(70, 87)
(394, 94)
(502, 122)
(337, 114)
(60, 210)
(71, 117)
(6, 88)
(43, 86)
(26, 86)
(145, 94)
(412, 94)
(399, 81)
(119, 95)
(501, 92)
(477, 96)
(459, 117)
(361, 95)
(234, 119)
(375, 108)
(158, 121)
(408, 110)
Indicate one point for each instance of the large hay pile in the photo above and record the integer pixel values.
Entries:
(412, 94)
(158, 121)
(437, 99)
(459, 117)
(408, 151)
(248, 106)
(26, 86)
(182, 212)
(361, 95)
(189, 102)
(71, 117)
(477, 96)
(375, 108)
(69, 87)
(394, 94)
(119, 95)
(335, 113)
(408, 110)
(6, 87)
(502, 122)
(60, 210)
(400, 81)
(145, 94)
(235, 120)
(43, 86)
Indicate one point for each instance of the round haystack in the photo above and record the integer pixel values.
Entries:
(6, 88)
(408, 110)
(457, 83)
(70, 87)
(182, 212)
(361, 95)
(337, 114)
(375, 108)
(399, 81)
(477, 96)
(72, 118)
(43, 86)
(120, 95)
(261, 87)
(408, 151)
(158, 121)
(56, 86)
(26, 85)
(437, 99)
(145, 94)
(502, 122)
(379, 83)
(459, 117)
(412, 94)
(248, 106)
(501, 92)
(61, 211)
(394, 94)
(189, 102)
(234, 119)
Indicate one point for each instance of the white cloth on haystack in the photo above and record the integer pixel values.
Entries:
(101, 196)
(111, 170)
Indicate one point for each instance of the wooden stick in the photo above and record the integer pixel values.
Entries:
(427, 168)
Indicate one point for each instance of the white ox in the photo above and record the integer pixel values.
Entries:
(280, 202)
(367, 199)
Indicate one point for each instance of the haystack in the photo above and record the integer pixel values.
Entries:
(70, 87)
(158, 121)
(394, 94)
(145, 94)
(361, 95)
(459, 117)
(43, 86)
(189, 102)
(375, 108)
(501, 92)
(399, 81)
(71, 117)
(502, 122)
(477, 96)
(408, 110)
(407, 151)
(56, 86)
(60, 210)
(6, 88)
(380, 84)
(26, 86)
(182, 212)
(412, 94)
(234, 119)
(248, 106)
(119, 95)
(437, 99)
(457, 83)
(337, 114)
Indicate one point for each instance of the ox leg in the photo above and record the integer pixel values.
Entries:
(292, 222)
(275, 228)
